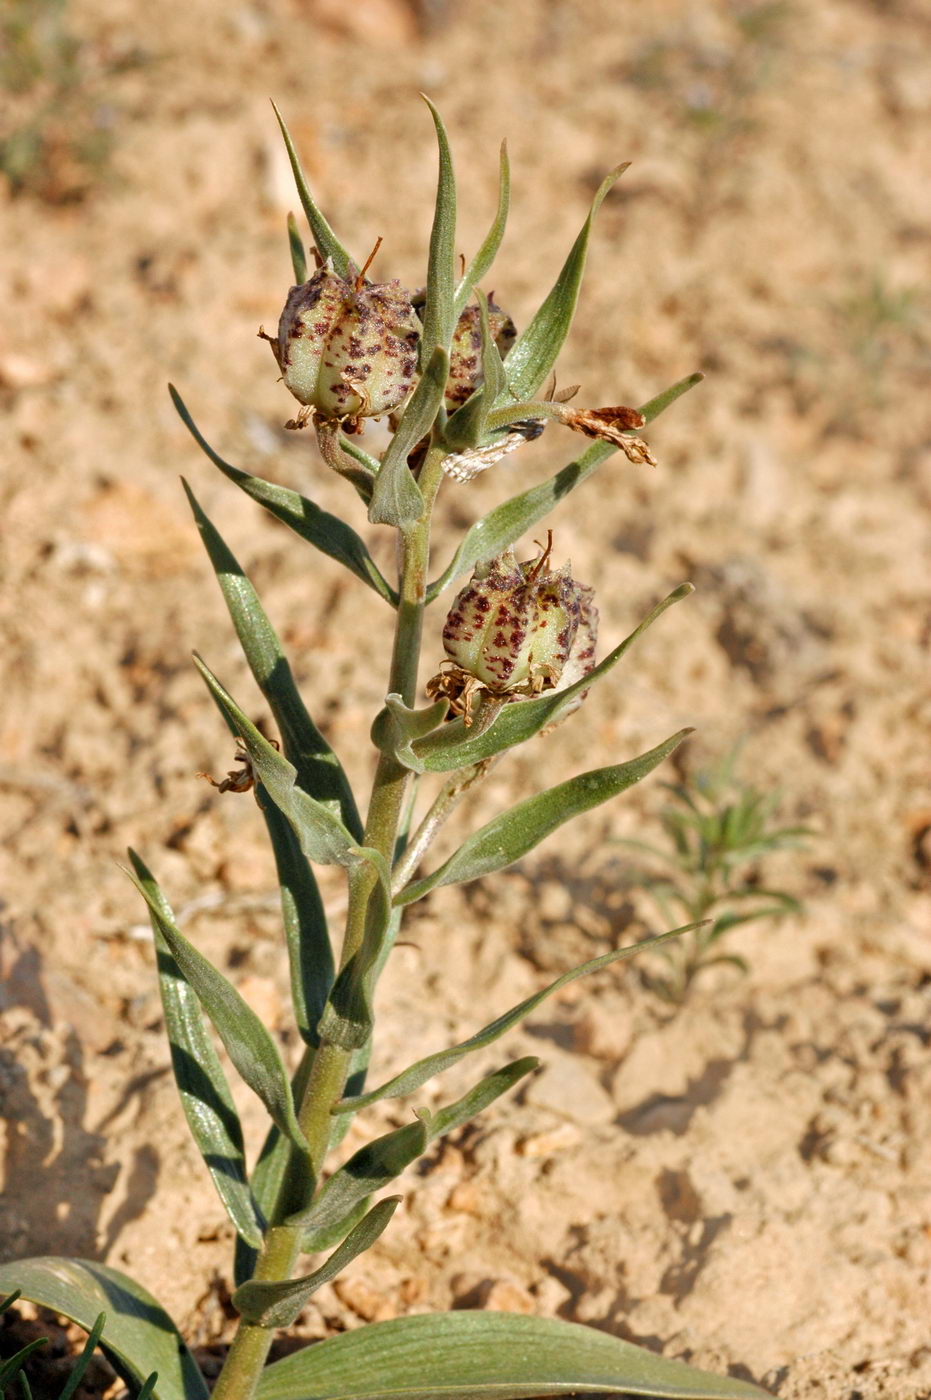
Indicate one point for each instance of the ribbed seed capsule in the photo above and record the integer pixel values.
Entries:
(465, 351)
(513, 626)
(347, 349)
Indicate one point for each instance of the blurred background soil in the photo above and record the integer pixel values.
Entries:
(746, 1183)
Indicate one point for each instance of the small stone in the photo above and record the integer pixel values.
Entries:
(465, 1197)
(551, 1295)
(413, 1289)
(504, 1295)
(567, 1087)
(363, 1300)
(604, 1032)
(547, 1143)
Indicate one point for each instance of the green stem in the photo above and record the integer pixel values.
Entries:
(249, 1349)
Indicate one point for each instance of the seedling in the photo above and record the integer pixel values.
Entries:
(718, 830)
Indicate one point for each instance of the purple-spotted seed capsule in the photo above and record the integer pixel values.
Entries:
(512, 630)
(465, 351)
(347, 348)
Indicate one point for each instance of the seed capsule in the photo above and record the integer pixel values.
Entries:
(465, 351)
(347, 349)
(511, 630)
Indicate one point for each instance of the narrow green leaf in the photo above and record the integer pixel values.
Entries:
(280, 1304)
(477, 1355)
(13, 1364)
(367, 1171)
(381, 1161)
(205, 1095)
(534, 352)
(457, 1114)
(352, 447)
(347, 1018)
(315, 1241)
(328, 245)
(322, 835)
(512, 834)
(310, 956)
(247, 1042)
(439, 318)
(26, 1388)
(319, 771)
(277, 1190)
(496, 531)
(148, 1387)
(489, 250)
(325, 532)
(417, 1074)
(454, 746)
(397, 725)
(9, 1300)
(657, 405)
(298, 256)
(138, 1333)
(396, 498)
(467, 426)
(267, 1177)
(76, 1374)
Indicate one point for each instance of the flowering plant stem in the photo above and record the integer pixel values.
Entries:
(519, 641)
(330, 1064)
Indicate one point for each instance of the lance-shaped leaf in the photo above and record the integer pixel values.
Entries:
(247, 1042)
(267, 1177)
(456, 746)
(296, 248)
(347, 1017)
(466, 427)
(417, 1074)
(322, 835)
(398, 725)
(310, 956)
(315, 1241)
(319, 771)
(278, 1191)
(328, 245)
(512, 834)
(76, 1374)
(138, 1335)
(535, 351)
(279, 1304)
(484, 1093)
(324, 531)
(499, 529)
(379, 1162)
(489, 250)
(481, 1355)
(396, 497)
(205, 1095)
(439, 318)
(367, 1171)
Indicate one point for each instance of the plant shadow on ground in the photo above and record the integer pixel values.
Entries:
(57, 1182)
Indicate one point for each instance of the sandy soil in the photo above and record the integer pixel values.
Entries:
(746, 1183)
